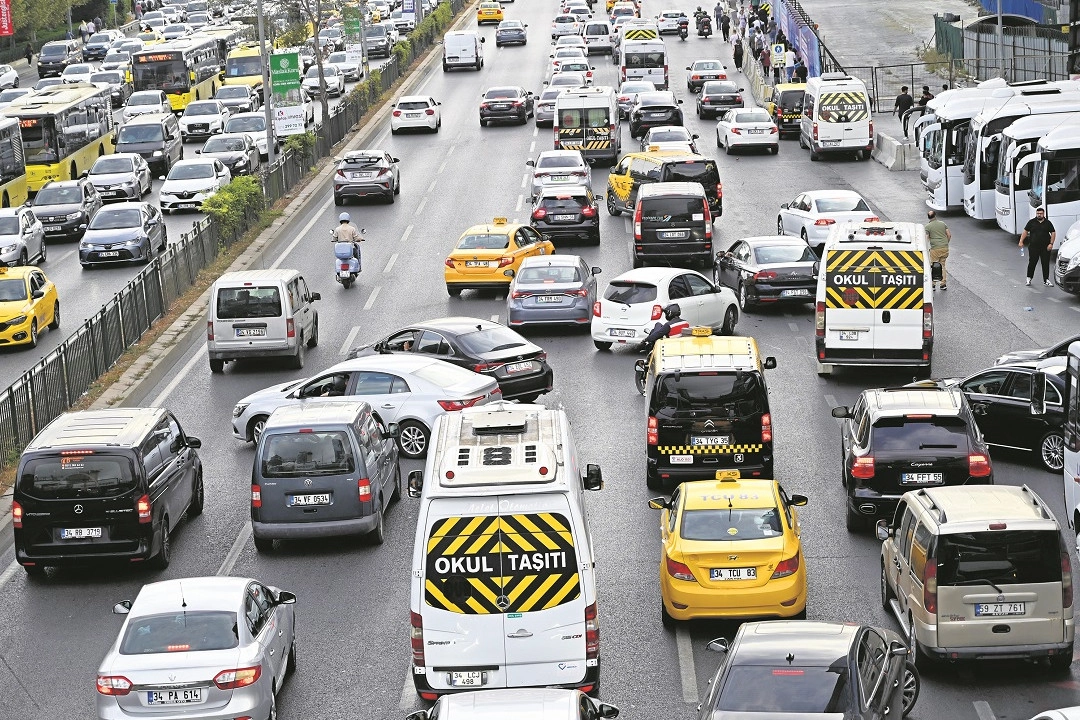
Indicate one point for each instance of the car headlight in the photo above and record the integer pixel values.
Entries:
(157, 153)
(239, 409)
(17, 320)
(85, 246)
(73, 216)
(1074, 262)
(136, 241)
(8, 248)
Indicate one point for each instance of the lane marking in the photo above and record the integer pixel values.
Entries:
(9, 573)
(405, 235)
(495, 318)
(982, 709)
(980, 263)
(302, 235)
(65, 256)
(450, 151)
(794, 327)
(347, 345)
(521, 198)
(831, 400)
(443, 166)
(1074, 308)
(420, 207)
(532, 147)
(371, 300)
(536, 130)
(179, 378)
(998, 273)
(408, 692)
(1054, 299)
(687, 673)
(390, 263)
(431, 186)
(965, 255)
(234, 552)
(524, 178)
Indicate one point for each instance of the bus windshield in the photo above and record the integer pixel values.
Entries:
(39, 140)
(244, 66)
(167, 75)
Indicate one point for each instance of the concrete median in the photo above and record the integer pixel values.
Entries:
(895, 154)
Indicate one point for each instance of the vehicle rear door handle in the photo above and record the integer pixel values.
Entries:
(520, 634)
(388, 405)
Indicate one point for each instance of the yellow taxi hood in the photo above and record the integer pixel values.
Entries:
(13, 308)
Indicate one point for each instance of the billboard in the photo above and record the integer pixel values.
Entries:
(7, 28)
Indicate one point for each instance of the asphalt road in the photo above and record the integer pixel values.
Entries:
(353, 650)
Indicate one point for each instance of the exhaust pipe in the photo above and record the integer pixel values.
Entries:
(867, 509)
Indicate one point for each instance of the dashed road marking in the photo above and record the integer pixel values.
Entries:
(390, 263)
(8, 573)
(1054, 299)
(521, 199)
(524, 179)
(980, 263)
(536, 130)
(982, 709)
(302, 235)
(159, 401)
(1074, 308)
(998, 273)
(794, 327)
(532, 147)
(234, 552)
(347, 345)
(495, 318)
(831, 401)
(442, 166)
(450, 151)
(371, 299)
(421, 206)
(431, 186)
(408, 692)
(687, 673)
(405, 235)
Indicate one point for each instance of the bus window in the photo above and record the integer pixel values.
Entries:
(39, 140)
(11, 157)
(1063, 180)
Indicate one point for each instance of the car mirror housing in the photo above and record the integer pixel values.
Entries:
(122, 608)
(841, 412)
(594, 479)
(719, 645)
(798, 500)
(770, 362)
(659, 503)
(882, 530)
(416, 483)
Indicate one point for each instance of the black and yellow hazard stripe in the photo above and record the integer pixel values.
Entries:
(874, 266)
(709, 449)
(843, 107)
(640, 34)
(588, 145)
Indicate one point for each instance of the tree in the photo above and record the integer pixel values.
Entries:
(312, 11)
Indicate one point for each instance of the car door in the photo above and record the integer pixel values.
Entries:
(872, 665)
(386, 393)
(985, 392)
(186, 462)
(678, 290)
(380, 455)
(264, 626)
(174, 477)
(619, 184)
(711, 305)
(899, 569)
(432, 343)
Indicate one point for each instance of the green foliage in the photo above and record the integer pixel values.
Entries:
(233, 204)
(301, 143)
(373, 86)
(295, 36)
(403, 53)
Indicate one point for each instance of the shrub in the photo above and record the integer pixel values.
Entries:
(232, 205)
(301, 143)
(403, 53)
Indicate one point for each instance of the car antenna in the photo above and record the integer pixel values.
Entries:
(183, 600)
(790, 658)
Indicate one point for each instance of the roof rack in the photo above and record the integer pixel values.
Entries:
(932, 505)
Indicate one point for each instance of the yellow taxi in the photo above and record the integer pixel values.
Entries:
(28, 303)
(636, 4)
(376, 16)
(731, 549)
(489, 12)
(151, 38)
(488, 256)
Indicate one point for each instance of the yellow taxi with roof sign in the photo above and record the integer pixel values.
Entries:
(731, 548)
(28, 303)
(489, 11)
(488, 256)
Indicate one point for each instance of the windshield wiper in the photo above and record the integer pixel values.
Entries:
(977, 581)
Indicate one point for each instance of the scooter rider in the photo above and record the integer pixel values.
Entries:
(345, 232)
(673, 327)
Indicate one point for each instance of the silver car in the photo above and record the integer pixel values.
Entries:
(559, 167)
(120, 176)
(545, 106)
(533, 703)
(216, 648)
(628, 93)
(350, 69)
(552, 290)
(22, 237)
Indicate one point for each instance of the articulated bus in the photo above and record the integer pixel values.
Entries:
(1070, 427)
(13, 190)
(1016, 157)
(244, 66)
(185, 69)
(65, 129)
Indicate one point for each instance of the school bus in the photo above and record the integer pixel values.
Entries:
(65, 129)
(185, 69)
(244, 66)
(12, 164)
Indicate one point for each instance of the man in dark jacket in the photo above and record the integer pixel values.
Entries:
(904, 102)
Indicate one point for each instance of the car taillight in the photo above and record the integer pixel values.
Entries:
(738, 98)
(397, 113)
(483, 106)
(256, 496)
(452, 405)
(736, 131)
(637, 226)
(363, 489)
(596, 309)
(871, 129)
(787, 567)
(539, 214)
(580, 292)
(652, 431)
(773, 130)
(822, 222)
(863, 467)
(113, 685)
(145, 512)
(416, 637)
(429, 111)
(520, 294)
(766, 428)
(978, 465)
(695, 77)
(290, 328)
(209, 329)
(815, 131)
(340, 173)
(16, 515)
(819, 320)
(517, 103)
(929, 578)
(719, 189)
(588, 211)
(449, 262)
(344, 266)
(679, 571)
(872, 218)
(657, 311)
(928, 321)
(764, 275)
(1066, 580)
(238, 678)
(504, 261)
(592, 634)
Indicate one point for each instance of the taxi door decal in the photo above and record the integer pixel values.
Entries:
(500, 564)
(874, 279)
(620, 186)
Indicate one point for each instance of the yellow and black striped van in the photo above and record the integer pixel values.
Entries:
(836, 117)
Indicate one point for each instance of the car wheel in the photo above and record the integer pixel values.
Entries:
(729, 149)
(611, 208)
(298, 359)
(397, 186)
(886, 591)
(217, 366)
(602, 345)
(256, 427)
(23, 258)
(1052, 451)
(34, 571)
(338, 200)
(314, 333)
(393, 130)
(911, 685)
(291, 658)
(33, 333)
(44, 253)
(198, 497)
(263, 545)
(164, 555)
(804, 236)
(55, 317)
(1059, 664)
(731, 317)
(453, 291)
(745, 303)
(666, 619)
(653, 481)
(413, 439)
(395, 496)
(528, 399)
(775, 149)
(718, 144)
(378, 535)
(594, 236)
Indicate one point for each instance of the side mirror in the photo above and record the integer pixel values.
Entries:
(594, 479)
(608, 711)
(798, 500)
(687, 67)
(38, 294)
(598, 197)
(719, 645)
(416, 483)
(122, 608)
(841, 412)
(392, 431)
(694, 137)
(659, 503)
(315, 296)
(394, 160)
(285, 598)
(194, 443)
(483, 39)
(882, 530)
(784, 206)
(596, 271)
(1038, 393)
(770, 363)
(418, 715)
(198, 152)
(679, 101)
(530, 163)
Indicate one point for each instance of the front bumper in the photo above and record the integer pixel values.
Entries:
(780, 598)
(119, 193)
(64, 228)
(175, 202)
(323, 529)
(15, 334)
(125, 253)
(1069, 281)
(188, 134)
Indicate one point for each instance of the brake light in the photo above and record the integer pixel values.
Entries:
(256, 496)
(929, 597)
(766, 428)
(1066, 580)
(764, 275)
(978, 465)
(209, 329)
(596, 309)
(519, 294)
(592, 634)
(397, 113)
(637, 225)
(429, 111)
(340, 173)
(736, 131)
(863, 468)
(871, 129)
(657, 311)
(580, 292)
(719, 189)
(142, 507)
(708, 224)
(238, 678)
(872, 218)
(624, 98)
(822, 222)
(539, 214)
(928, 321)
(504, 261)
(773, 130)
(679, 571)
(363, 489)
(344, 266)
(449, 262)
(819, 320)
(113, 685)
(814, 129)
(652, 431)
(787, 567)
(588, 211)
(290, 328)
(416, 637)
(695, 77)
(16, 515)
(451, 405)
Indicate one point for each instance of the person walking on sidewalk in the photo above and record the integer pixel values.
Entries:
(718, 12)
(725, 26)
(801, 72)
(737, 52)
(1039, 235)
(903, 103)
(939, 236)
(789, 63)
(764, 56)
(29, 54)
(82, 31)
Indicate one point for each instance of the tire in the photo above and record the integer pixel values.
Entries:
(1051, 452)
(24, 259)
(594, 237)
(453, 292)
(413, 439)
(728, 150)
(911, 684)
(853, 521)
(1059, 664)
(653, 482)
(273, 704)
(314, 340)
(263, 545)
(378, 535)
(291, 668)
(338, 200)
(395, 496)
(393, 131)
(666, 619)
(298, 359)
(886, 591)
(718, 139)
(217, 366)
(638, 262)
(198, 497)
(44, 251)
(33, 334)
(804, 236)
(164, 555)
(802, 141)
(639, 381)
(779, 225)
(745, 303)
(528, 399)
(814, 157)
(256, 426)
(612, 210)
(731, 318)
(601, 345)
(775, 149)
(55, 318)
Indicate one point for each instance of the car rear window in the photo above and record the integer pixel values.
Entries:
(236, 303)
(484, 242)
(492, 339)
(72, 476)
(630, 293)
(841, 205)
(672, 209)
(644, 59)
(731, 524)
(310, 454)
(559, 161)
(186, 631)
(564, 203)
(913, 434)
(1001, 557)
(792, 100)
(699, 171)
(786, 689)
(726, 395)
(549, 274)
(363, 160)
(752, 117)
(783, 254)
(412, 105)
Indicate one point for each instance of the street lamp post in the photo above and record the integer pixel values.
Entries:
(1001, 41)
(264, 53)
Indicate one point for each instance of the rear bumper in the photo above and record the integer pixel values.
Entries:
(782, 598)
(321, 529)
(541, 383)
(870, 503)
(1005, 652)
(760, 464)
(83, 553)
(423, 688)
(282, 350)
(913, 357)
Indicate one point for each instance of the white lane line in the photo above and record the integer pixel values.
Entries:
(1054, 299)
(347, 345)
(536, 130)
(408, 692)
(524, 178)
(998, 273)
(420, 207)
(234, 552)
(390, 263)
(982, 709)
(980, 263)
(794, 327)
(686, 665)
(443, 166)
(179, 378)
(405, 235)
(494, 318)
(371, 300)
(9, 573)
(431, 186)
(450, 151)
(1074, 308)
(965, 255)
(830, 400)
(65, 256)
(532, 147)
(521, 199)
(302, 235)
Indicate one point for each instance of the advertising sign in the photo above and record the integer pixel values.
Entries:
(6, 26)
(284, 72)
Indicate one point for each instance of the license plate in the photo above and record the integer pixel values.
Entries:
(566, 217)
(109, 253)
(733, 573)
(922, 478)
(53, 228)
(681, 459)
(621, 333)
(467, 679)
(80, 533)
(674, 234)
(319, 499)
(995, 609)
(109, 193)
(830, 143)
(519, 367)
(343, 273)
(500, 107)
(250, 332)
(192, 696)
(558, 178)
(360, 175)
(849, 334)
(549, 298)
(794, 293)
(476, 263)
(186, 206)
(412, 115)
(710, 440)
(657, 115)
(756, 132)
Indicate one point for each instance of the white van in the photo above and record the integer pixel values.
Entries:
(503, 575)
(587, 119)
(875, 297)
(836, 116)
(644, 60)
(259, 314)
(462, 49)
(598, 36)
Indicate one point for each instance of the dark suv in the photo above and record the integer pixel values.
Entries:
(568, 212)
(672, 225)
(654, 109)
(899, 439)
(65, 207)
(56, 56)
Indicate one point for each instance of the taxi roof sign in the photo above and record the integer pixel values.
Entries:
(701, 331)
(499, 221)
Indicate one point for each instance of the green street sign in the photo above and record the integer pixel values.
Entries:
(284, 72)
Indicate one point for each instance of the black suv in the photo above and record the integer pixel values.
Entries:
(56, 56)
(561, 213)
(65, 207)
(654, 109)
(899, 439)
(506, 103)
(97, 46)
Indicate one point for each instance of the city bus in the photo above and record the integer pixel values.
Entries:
(1055, 181)
(185, 69)
(244, 66)
(12, 164)
(1016, 157)
(227, 37)
(65, 129)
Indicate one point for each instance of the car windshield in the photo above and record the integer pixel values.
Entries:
(9, 226)
(59, 196)
(485, 241)
(492, 339)
(753, 117)
(910, 433)
(768, 254)
(147, 99)
(113, 78)
(11, 94)
(672, 209)
(731, 524)
(786, 689)
(1002, 557)
(246, 124)
(550, 273)
(307, 454)
(202, 109)
(53, 50)
(559, 161)
(195, 171)
(139, 133)
(220, 144)
(68, 477)
(117, 56)
(726, 395)
(114, 219)
(499, 93)
(109, 165)
(182, 631)
(12, 289)
(233, 92)
(630, 293)
(636, 87)
(313, 71)
(841, 204)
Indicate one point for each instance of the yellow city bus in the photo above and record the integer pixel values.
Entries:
(228, 37)
(185, 69)
(244, 66)
(12, 164)
(65, 129)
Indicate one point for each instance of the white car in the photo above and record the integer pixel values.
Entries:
(203, 118)
(350, 70)
(668, 21)
(566, 54)
(145, 102)
(189, 182)
(564, 25)
(531, 703)
(333, 80)
(12, 94)
(576, 65)
(117, 60)
(409, 391)
(416, 111)
(567, 80)
(1069, 713)
(747, 128)
(572, 41)
(176, 30)
(9, 78)
(580, 11)
(811, 214)
(22, 237)
(669, 137)
(252, 124)
(78, 72)
(559, 167)
(634, 302)
(121, 176)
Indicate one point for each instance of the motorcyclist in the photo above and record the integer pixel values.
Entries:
(673, 326)
(345, 232)
(698, 15)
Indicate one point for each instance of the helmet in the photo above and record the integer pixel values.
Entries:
(344, 217)
(672, 311)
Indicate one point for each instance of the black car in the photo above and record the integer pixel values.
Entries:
(1061, 349)
(567, 212)
(805, 669)
(506, 103)
(238, 98)
(702, 71)
(771, 269)
(236, 151)
(717, 96)
(899, 439)
(511, 32)
(486, 347)
(1000, 398)
(65, 207)
(119, 88)
(55, 56)
(654, 109)
(97, 46)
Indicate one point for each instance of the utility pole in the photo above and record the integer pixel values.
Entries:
(271, 148)
(1001, 41)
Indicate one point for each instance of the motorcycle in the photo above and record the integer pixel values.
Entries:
(684, 28)
(704, 27)
(347, 261)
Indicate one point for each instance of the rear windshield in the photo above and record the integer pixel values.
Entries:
(549, 274)
(786, 689)
(559, 161)
(645, 60)
(139, 134)
(672, 209)
(180, 632)
(784, 254)
(492, 339)
(630, 293)
(919, 433)
(842, 204)
(1002, 557)
(792, 100)
(484, 242)
(77, 476)
(725, 395)
(413, 105)
(564, 203)
(700, 171)
(248, 302)
(310, 454)
(731, 524)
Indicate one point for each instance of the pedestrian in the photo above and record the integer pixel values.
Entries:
(99, 24)
(764, 57)
(939, 236)
(29, 54)
(1039, 235)
(91, 28)
(69, 36)
(751, 32)
(82, 30)
(771, 29)
(789, 63)
(725, 26)
(926, 96)
(801, 72)
(737, 52)
(903, 103)
(781, 37)
(718, 11)
(742, 23)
